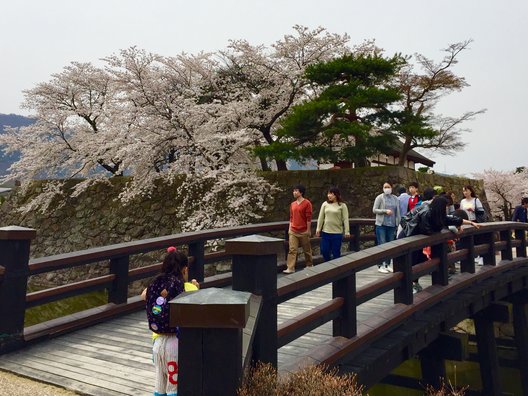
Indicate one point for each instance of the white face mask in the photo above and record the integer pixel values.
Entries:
(387, 190)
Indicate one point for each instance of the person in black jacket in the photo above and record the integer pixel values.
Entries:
(519, 214)
(427, 220)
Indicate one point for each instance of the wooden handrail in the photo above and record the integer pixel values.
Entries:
(70, 290)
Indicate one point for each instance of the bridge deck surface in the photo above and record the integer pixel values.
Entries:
(114, 358)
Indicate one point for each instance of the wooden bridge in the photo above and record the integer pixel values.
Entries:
(341, 312)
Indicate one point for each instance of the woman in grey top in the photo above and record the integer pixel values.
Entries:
(387, 210)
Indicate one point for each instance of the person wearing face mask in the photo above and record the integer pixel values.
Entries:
(387, 210)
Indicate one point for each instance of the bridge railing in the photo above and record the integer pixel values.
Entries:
(16, 268)
(254, 270)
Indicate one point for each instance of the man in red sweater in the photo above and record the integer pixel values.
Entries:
(299, 232)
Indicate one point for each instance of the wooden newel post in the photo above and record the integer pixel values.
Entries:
(211, 323)
(14, 258)
(255, 270)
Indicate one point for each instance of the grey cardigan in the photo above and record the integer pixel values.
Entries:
(379, 209)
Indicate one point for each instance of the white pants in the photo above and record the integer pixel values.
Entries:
(165, 357)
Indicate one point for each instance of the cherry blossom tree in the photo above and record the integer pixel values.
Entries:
(504, 190)
(158, 130)
(269, 81)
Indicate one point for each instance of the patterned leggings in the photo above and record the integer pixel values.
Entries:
(165, 357)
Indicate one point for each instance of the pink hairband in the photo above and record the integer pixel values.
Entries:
(171, 249)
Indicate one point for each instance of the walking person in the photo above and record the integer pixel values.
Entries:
(414, 197)
(519, 213)
(332, 223)
(387, 210)
(299, 231)
(470, 203)
(403, 197)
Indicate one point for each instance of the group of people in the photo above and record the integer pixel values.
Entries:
(409, 213)
(332, 225)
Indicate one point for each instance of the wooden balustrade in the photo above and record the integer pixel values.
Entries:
(117, 257)
(254, 269)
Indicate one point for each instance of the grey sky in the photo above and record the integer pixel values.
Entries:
(38, 38)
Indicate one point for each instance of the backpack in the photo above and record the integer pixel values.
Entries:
(162, 289)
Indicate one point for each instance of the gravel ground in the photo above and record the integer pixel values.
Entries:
(11, 385)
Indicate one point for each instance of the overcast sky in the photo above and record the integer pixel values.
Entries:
(38, 38)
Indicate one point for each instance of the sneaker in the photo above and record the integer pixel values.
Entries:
(416, 288)
(389, 268)
(479, 260)
(383, 269)
(288, 271)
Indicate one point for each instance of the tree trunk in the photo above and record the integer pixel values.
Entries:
(404, 150)
(264, 164)
(281, 165)
(361, 162)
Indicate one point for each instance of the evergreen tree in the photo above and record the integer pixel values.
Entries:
(350, 116)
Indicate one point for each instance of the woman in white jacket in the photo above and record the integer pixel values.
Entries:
(387, 210)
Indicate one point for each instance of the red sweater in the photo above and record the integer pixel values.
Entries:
(300, 216)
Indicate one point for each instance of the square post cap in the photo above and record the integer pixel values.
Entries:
(254, 245)
(17, 233)
(210, 308)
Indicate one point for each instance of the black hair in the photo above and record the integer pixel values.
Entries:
(174, 263)
(337, 193)
(437, 213)
(401, 190)
(301, 189)
(414, 184)
(470, 188)
(429, 194)
(524, 201)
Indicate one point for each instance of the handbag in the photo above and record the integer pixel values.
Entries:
(480, 214)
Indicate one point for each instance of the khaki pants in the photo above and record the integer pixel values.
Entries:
(296, 239)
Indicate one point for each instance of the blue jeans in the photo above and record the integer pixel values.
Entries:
(385, 234)
(331, 243)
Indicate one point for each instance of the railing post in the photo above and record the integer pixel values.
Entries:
(346, 324)
(468, 264)
(441, 275)
(14, 258)
(355, 232)
(119, 292)
(489, 257)
(211, 323)
(508, 253)
(404, 293)
(521, 250)
(197, 251)
(255, 270)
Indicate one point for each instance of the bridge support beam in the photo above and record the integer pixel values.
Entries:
(520, 326)
(487, 352)
(452, 346)
(14, 258)
(255, 270)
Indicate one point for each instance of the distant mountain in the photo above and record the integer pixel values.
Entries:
(12, 120)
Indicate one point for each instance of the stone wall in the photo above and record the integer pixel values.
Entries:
(96, 218)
